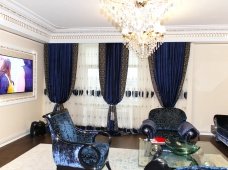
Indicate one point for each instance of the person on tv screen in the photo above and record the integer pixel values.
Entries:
(24, 78)
(6, 84)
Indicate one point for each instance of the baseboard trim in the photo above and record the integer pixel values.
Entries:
(206, 134)
(12, 138)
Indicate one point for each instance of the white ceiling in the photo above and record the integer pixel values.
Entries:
(81, 21)
(86, 13)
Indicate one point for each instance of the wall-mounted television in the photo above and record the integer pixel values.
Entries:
(16, 75)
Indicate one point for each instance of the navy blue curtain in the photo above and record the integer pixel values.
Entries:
(60, 71)
(113, 64)
(112, 76)
(168, 66)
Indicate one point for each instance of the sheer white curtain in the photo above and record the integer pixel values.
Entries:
(134, 109)
(89, 109)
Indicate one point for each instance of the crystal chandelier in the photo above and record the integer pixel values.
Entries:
(139, 22)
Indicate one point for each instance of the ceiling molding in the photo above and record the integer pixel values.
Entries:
(16, 19)
(216, 37)
(26, 15)
(19, 21)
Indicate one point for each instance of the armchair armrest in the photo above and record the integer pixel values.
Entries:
(221, 125)
(188, 131)
(148, 128)
(89, 155)
(105, 134)
(90, 135)
(221, 121)
(86, 135)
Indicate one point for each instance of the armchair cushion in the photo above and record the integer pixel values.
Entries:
(167, 118)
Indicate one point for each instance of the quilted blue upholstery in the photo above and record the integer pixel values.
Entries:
(74, 147)
(62, 124)
(167, 118)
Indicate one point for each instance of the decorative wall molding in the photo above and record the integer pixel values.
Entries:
(197, 37)
(193, 36)
(79, 37)
(197, 33)
(28, 16)
(17, 19)
(19, 23)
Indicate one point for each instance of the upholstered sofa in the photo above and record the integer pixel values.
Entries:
(169, 122)
(221, 128)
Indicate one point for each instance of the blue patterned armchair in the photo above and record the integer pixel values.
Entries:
(169, 122)
(74, 148)
(221, 128)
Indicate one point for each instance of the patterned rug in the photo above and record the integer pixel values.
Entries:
(40, 158)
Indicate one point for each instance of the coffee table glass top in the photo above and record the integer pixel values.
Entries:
(208, 154)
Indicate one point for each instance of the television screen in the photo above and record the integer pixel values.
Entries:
(16, 75)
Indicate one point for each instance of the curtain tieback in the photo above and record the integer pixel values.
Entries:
(58, 107)
(112, 112)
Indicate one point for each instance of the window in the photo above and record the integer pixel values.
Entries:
(90, 109)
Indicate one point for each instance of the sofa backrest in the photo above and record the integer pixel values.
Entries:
(167, 118)
(221, 121)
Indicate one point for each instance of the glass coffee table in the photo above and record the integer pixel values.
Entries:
(207, 155)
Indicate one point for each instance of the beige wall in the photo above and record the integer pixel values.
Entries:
(209, 83)
(15, 119)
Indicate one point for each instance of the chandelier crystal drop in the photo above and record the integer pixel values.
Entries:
(139, 22)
